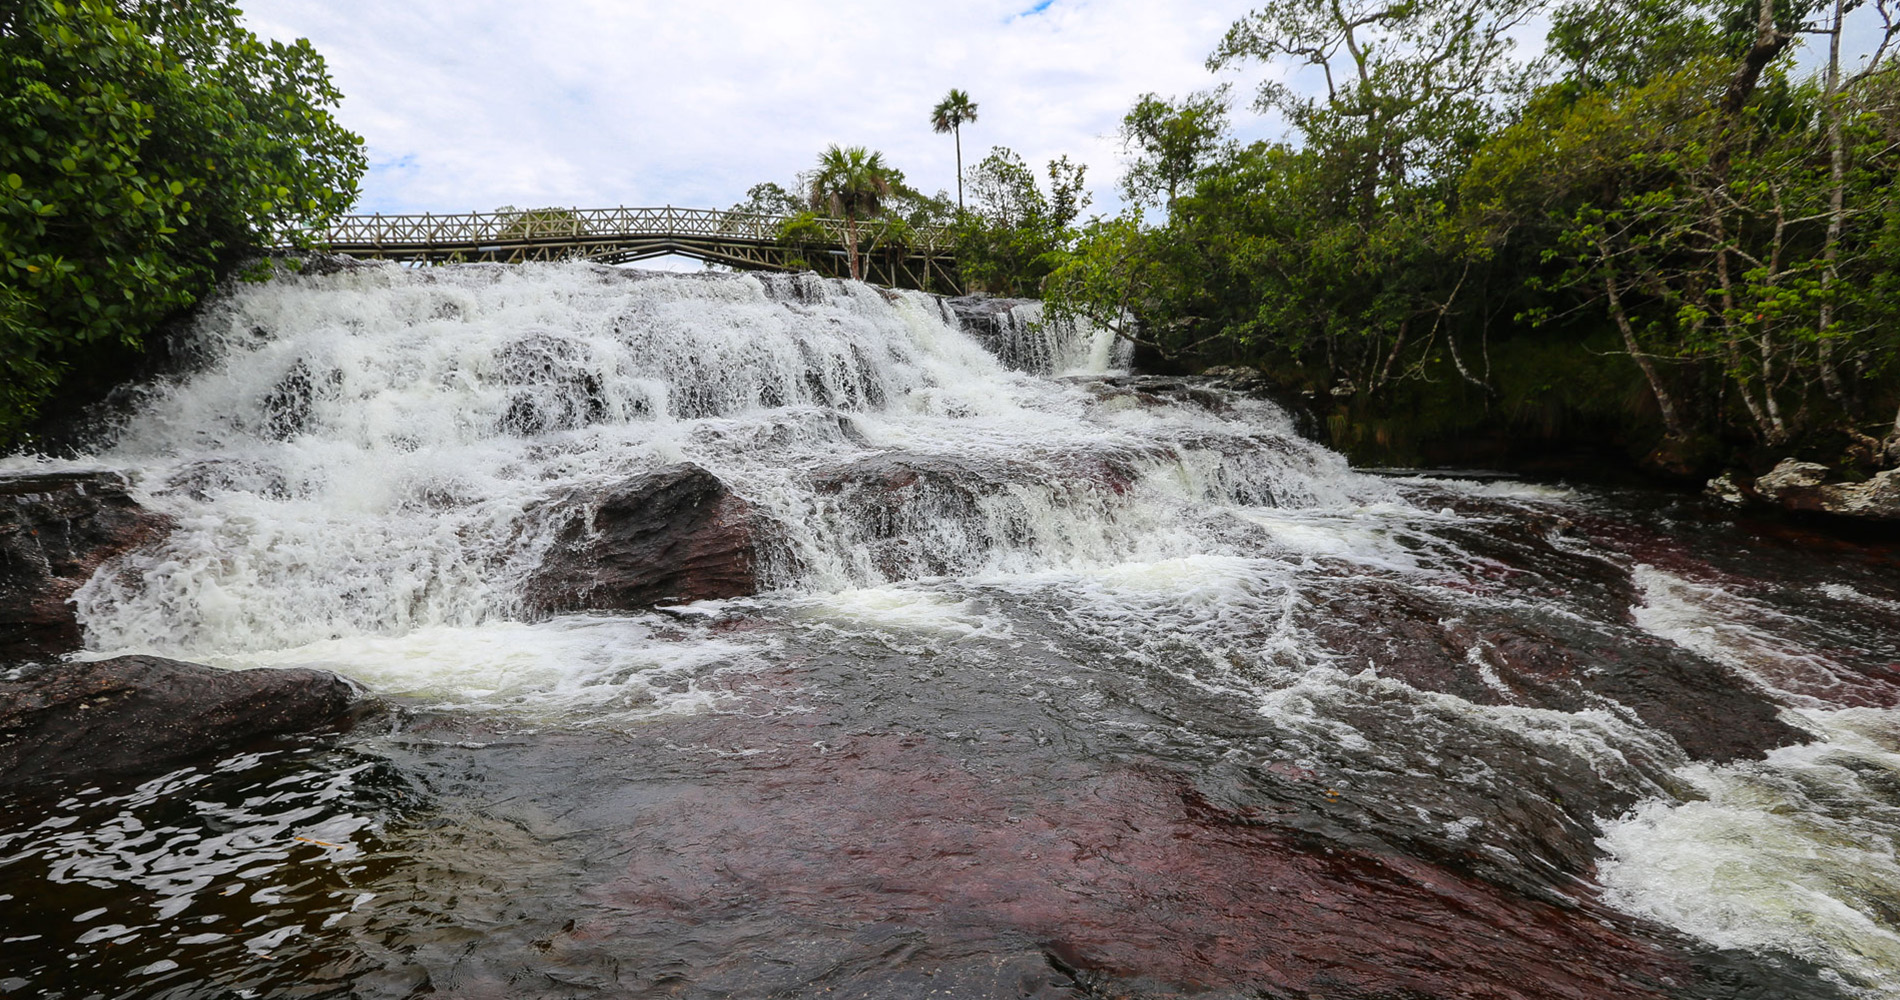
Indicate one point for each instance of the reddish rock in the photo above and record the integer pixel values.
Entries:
(137, 714)
(919, 515)
(55, 530)
(1120, 876)
(1428, 643)
(672, 536)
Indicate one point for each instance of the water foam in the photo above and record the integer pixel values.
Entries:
(1798, 853)
(368, 454)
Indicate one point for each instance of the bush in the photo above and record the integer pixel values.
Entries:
(146, 149)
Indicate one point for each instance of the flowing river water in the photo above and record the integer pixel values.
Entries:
(1062, 682)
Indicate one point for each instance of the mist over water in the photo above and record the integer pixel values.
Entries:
(1056, 670)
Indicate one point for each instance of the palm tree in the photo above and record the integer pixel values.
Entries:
(949, 116)
(852, 184)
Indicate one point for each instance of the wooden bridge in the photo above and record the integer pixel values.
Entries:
(922, 258)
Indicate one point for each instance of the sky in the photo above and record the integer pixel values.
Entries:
(475, 104)
(469, 105)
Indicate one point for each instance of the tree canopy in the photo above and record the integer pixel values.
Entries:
(1659, 232)
(853, 184)
(146, 148)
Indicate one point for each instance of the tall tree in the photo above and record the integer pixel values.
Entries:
(852, 184)
(1171, 140)
(1407, 83)
(950, 115)
(1016, 233)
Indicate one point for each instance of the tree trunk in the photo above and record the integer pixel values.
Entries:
(851, 247)
(1769, 41)
(1672, 420)
(1837, 208)
(958, 133)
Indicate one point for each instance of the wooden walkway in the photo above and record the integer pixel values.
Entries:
(619, 235)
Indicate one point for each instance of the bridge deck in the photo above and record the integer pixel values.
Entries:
(924, 259)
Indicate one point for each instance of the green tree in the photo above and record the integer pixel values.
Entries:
(1017, 233)
(950, 115)
(768, 198)
(535, 223)
(1725, 219)
(852, 184)
(146, 148)
(1408, 83)
(1171, 141)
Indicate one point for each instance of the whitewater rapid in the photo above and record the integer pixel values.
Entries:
(364, 465)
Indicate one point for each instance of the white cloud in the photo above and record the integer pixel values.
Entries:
(473, 104)
(479, 103)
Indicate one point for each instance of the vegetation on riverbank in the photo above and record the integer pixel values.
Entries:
(1657, 241)
(146, 150)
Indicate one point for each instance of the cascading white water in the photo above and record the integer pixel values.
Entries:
(364, 467)
(1799, 852)
(364, 453)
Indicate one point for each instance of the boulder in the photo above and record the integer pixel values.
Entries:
(55, 530)
(1790, 476)
(917, 515)
(671, 536)
(984, 316)
(1018, 343)
(1803, 486)
(142, 714)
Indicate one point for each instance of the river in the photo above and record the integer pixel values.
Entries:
(1061, 682)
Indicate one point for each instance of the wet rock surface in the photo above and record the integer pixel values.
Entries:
(1025, 814)
(672, 536)
(135, 715)
(1803, 486)
(1012, 330)
(55, 531)
(1510, 656)
(924, 515)
(984, 316)
(1812, 488)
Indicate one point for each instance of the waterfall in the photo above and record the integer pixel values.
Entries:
(1122, 633)
(373, 451)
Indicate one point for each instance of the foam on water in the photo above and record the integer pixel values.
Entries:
(1799, 852)
(368, 453)
(365, 467)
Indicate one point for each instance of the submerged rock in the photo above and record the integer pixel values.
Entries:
(56, 529)
(1011, 329)
(672, 536)
(917, 515)
(137, 714)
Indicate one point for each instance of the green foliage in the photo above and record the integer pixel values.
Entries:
(1017, 233)
(950, 115)
(145, 149)
(769, 199)
(1172, 141)
(853, 184)
(1658, 193)
(1408, 83)
(1627, 42)
(953, 112)
(535, 223)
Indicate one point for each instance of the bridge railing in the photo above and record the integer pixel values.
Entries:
(550, 225)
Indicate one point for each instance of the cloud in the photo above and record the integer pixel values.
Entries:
(480, 103)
